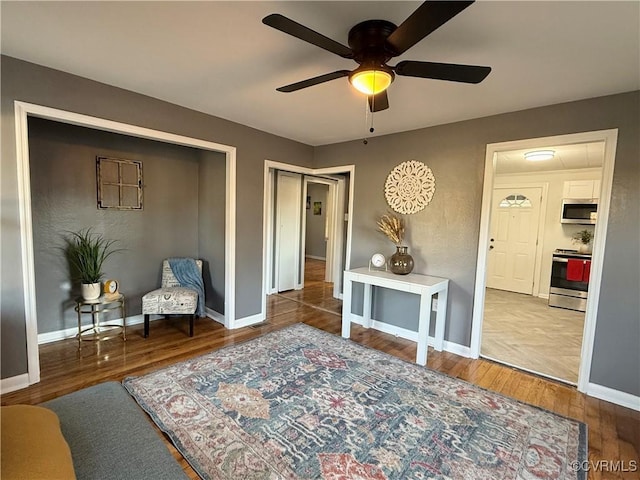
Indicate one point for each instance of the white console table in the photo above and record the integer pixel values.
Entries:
(423, 285)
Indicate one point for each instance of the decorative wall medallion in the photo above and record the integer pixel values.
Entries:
(410, 187)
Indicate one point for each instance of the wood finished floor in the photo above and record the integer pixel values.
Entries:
(525, 331)
(614, 432)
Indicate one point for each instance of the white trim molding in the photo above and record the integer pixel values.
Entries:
(72, 332)
(609, 138)
(11, 384)
(412, 335)
(614, 396)
(22, 111)
(250, 320)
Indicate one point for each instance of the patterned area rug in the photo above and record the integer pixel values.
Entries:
(301, 403)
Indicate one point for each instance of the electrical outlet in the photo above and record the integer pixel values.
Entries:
(434, 305)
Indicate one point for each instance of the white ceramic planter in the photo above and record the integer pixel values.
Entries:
(90, 291)
(584, 248)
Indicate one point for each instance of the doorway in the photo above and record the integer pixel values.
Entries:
(336, 211)
(22, 112)
(520, 328)
(487, 301)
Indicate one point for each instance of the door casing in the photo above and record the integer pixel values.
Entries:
(334, 248)
(340, 243)
(610, 139)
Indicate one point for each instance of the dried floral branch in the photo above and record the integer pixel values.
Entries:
(393, 227)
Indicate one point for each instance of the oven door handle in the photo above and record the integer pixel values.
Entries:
(559, 259)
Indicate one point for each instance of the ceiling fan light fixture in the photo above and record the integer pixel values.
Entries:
(371, 81)
(539, 155)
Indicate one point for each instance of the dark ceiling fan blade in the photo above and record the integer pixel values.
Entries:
(443, 71)
(427, 18)
(286, 25)
(310, 82)
(378, 102)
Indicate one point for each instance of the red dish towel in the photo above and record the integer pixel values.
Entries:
(587, 271)
(575, 270)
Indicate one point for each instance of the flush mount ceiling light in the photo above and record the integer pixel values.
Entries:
(539, 155)
(371, 81)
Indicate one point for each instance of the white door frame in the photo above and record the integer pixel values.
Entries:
(331, 211)
(541, 222)
(270, 167)
(610, 138)
(22, 111)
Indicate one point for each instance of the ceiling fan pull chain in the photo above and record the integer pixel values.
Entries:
(367, 112)
(373, 104)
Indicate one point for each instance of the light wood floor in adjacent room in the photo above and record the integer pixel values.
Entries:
(524, 331)
(614, 432)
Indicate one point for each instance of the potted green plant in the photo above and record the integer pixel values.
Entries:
(583, 239)
(86, 252)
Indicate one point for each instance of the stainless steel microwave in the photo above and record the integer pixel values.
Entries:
(579, 211)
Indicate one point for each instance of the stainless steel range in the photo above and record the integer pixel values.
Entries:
(570, 272)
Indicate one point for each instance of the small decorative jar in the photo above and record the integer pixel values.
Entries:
(401, 263)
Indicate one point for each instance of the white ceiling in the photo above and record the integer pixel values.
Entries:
(566, 157)
(218, 58)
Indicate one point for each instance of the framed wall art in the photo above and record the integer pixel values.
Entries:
(119, 183)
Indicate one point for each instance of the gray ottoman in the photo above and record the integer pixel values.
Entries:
(111, 438)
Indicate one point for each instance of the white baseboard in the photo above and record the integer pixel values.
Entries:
(456, 348)
(12, 384)
(132, 320)
(543, 295)
(450, 347)
(213, 315)
(614, 396)
(250, 320)
(315, 257)
(71, 332)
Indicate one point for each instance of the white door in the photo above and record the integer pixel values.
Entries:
(288, 216)
(513, 239)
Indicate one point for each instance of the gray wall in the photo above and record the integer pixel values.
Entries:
(443, 238)
(315, 243)
(43, 86)
(211, 226)
(63, 193)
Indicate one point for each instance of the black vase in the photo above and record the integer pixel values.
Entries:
(401, 262)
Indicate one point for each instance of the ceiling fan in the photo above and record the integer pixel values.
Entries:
(373, 43)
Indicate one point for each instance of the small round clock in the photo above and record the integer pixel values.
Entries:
(111, 286)
(378, 260)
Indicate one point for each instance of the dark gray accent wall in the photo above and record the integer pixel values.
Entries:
(443, 238)
(36, 84)
(63, 199)
(315, 243)
(211, 226)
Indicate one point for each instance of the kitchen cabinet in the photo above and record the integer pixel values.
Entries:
(586, 189)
